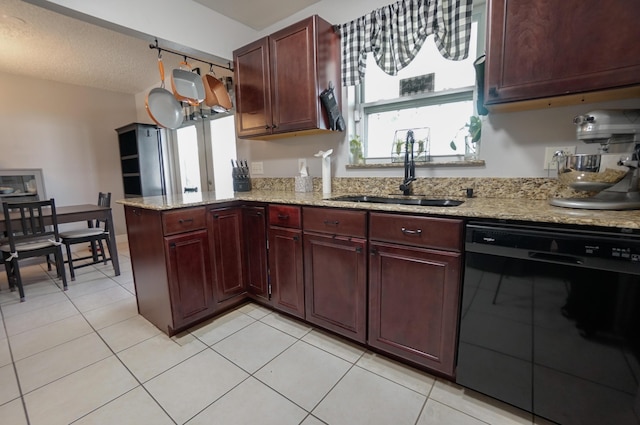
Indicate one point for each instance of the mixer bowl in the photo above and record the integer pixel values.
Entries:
(582, 172)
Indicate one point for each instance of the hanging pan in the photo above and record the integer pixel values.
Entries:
(187, 85)
(217, 97)
(162, 106)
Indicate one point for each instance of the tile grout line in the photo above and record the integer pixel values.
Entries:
(15, 370)
(106, 344)
(123, 365)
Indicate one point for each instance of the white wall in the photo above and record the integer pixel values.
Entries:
(69, 132)
(512, 143)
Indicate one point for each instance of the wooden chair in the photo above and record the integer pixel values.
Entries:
(28, 236)
(94, 234)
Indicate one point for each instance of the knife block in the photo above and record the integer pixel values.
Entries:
(241, 184)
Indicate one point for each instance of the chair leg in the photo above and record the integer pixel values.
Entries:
(94, 251)
(60, 267)
(17, 277)
(48, 262)
(70, 261)
(104, 254)
(108, 241)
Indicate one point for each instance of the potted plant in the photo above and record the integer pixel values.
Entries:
(473, 130)
(355, 149)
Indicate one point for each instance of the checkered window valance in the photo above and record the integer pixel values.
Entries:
(396, 32)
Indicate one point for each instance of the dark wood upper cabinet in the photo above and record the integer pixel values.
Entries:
(226, 242)
(543, 49)
(253, 89)
(279, 79)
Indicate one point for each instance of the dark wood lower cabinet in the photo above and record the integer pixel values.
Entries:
(285, 270)
(413, 304)
(336, 283)
(192, 263)
(226, 242)
(171, 266)
(189, 276)
(255, 252)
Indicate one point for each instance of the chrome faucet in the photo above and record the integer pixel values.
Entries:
(409, 164)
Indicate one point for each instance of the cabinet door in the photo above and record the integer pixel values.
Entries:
(189, 277)
(255, 251)
(335, 271)
(293, 78)
(225, 230)
(253, 90)
(285, 270)
(534, 53)
(413, 304)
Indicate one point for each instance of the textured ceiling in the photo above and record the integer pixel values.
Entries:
(40, 43)
(257, 14)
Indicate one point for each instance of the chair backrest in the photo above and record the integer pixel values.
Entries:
(27, 221)
(104, 200)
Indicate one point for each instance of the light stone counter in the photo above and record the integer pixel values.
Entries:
(514, 208)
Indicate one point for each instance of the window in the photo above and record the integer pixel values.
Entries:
(444, 108)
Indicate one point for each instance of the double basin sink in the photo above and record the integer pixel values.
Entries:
(425, 202)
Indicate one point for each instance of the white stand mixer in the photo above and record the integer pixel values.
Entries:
(607, 127)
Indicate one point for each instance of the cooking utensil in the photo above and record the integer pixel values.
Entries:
(162, 106)
(187, 85)
(583, 172)
(217, 97)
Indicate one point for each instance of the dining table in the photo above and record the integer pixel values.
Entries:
(83, 212)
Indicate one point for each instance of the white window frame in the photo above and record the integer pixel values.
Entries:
(363, 110)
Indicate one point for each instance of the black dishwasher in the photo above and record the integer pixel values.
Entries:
(550, 321)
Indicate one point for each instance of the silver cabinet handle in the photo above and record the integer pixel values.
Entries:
(406, 231)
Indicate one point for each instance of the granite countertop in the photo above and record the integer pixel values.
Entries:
(534, 210)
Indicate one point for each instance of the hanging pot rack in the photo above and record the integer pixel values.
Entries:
(174, 52)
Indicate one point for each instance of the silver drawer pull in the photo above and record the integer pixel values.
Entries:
(331, 222)
(185, 220)
(411, 232)
(283, 216)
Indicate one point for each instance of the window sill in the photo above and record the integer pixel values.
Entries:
(427, 164)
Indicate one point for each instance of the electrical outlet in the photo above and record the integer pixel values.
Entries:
(257, 168)
(302, 162)
(550, 162)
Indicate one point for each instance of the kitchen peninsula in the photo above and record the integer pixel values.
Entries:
(385, 275)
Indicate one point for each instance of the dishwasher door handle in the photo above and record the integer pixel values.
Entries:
(556, 258)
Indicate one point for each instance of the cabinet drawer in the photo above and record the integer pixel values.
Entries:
(335, 221)
(285, 216)
(428, 232)
(183, 220)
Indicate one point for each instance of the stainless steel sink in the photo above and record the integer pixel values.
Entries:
(427, 202)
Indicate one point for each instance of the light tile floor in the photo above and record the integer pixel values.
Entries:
(85, 356)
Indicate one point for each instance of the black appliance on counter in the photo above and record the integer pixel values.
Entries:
(550, 321)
